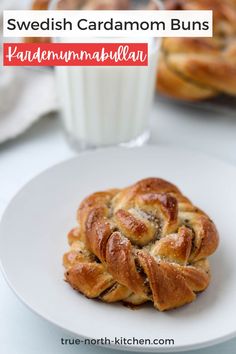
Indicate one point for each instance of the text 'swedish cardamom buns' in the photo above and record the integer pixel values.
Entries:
(143, 243)
(76, 4)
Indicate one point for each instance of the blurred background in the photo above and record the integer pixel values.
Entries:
(194, 107)
(195, 78)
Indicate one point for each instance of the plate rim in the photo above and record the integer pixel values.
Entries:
(137, 348)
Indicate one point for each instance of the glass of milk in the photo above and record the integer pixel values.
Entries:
(105, 106)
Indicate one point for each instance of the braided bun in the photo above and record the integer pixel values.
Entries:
(143, 243)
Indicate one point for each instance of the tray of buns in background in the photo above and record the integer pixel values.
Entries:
(201, 71)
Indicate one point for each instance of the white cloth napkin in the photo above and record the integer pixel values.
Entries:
(26, 94)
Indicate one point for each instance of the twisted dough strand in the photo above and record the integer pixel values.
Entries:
(201, 68)
(144, 243)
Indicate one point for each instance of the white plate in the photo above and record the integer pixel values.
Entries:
(33, 239)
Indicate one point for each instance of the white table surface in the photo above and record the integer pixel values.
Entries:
(21, 331)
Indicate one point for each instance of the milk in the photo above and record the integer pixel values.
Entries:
(102, 106)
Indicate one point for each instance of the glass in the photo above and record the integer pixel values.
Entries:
(105, 106)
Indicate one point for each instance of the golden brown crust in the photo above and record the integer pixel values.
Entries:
(120, 262)
(83, 4)
(147, 242)
(168, 286)
(175, 247)
(200, 68)
(137, 230)
(91, 279)
(39, 5)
